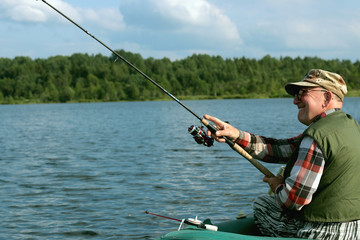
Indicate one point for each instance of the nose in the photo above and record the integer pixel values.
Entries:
(296, 100)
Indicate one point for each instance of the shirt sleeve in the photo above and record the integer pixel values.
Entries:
(267, 149)
(299, 187)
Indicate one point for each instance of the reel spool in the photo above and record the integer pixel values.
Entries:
(200, 136)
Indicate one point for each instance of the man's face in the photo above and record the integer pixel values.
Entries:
(310, 102)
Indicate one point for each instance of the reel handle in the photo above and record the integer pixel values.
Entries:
(236, 147)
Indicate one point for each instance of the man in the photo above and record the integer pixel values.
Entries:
(319, 195)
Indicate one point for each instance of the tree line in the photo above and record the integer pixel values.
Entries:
(84, 78)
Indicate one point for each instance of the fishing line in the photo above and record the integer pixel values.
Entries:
(123, 59)
(211, 127)
(157, 215)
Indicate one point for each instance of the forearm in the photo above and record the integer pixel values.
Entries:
(267, 149)
(298, 189)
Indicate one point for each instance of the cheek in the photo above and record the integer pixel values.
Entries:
(306, 116)
(316, 110)
(303, 116)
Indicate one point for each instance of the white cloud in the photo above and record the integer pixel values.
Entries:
(200, 18)
(21, 10)
(106, 18)
(298, 27)
(184, 24)
(31, 11)
(320, 34)
(311, 36)
(178, 28)
(26, 13)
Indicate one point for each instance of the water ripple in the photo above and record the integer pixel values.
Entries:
(89, 171)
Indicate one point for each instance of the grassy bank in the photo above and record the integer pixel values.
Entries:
(352, 93)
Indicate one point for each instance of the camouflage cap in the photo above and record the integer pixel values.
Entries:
(320, 78)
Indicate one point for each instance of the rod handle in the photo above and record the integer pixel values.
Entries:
(237, 148)
(211, 227)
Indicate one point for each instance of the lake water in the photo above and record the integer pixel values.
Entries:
(90, 170)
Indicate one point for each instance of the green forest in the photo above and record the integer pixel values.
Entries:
(90, 78)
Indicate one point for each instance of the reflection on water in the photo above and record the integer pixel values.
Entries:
(80, 171)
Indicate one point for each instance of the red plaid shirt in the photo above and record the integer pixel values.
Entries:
(298, 189)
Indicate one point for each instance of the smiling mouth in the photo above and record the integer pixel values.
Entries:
(300, 106)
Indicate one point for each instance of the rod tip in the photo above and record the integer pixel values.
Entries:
(147, 212)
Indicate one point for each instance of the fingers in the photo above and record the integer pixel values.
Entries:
(219, 124)
(273, 181)
(224, 129)
(279, 176)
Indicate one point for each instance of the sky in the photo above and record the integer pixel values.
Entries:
(176, 29)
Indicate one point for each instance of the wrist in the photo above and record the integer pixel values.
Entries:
(239, 138)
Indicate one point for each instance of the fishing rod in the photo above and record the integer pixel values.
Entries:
(189, 221)
(210, 126)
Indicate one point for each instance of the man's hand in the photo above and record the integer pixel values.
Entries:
(274, 181)
(224, 128)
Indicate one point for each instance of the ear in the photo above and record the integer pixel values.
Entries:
(328, 98)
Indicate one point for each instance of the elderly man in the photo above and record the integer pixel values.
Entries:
(318, 197)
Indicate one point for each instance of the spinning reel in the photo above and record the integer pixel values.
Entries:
(200, 136)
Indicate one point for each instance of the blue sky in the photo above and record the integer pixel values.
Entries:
(329, 29)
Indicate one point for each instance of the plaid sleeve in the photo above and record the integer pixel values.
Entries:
(299, 187)
(267, 149)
